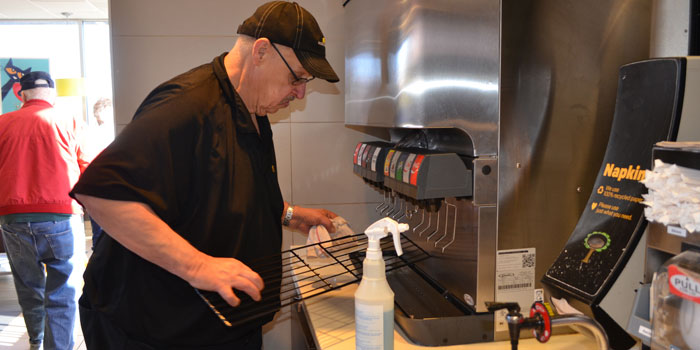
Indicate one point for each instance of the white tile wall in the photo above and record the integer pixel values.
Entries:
(322, 165)
(194, 18)
(140, 63)
(155, 40)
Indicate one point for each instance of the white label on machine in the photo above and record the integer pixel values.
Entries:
(644, 331)
(515, 280)
(677, 231)
(392, 168)
(539, 295)
(369, 326)
(407, 167)
(374, 158)
(359, 154)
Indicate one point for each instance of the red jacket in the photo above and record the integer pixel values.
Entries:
(41, 158)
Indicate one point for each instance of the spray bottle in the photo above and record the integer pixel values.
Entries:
(374, 300)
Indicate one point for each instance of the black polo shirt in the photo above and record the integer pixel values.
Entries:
(194, 156)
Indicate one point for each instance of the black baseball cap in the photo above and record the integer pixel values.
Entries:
(36, 79)
(288, 24)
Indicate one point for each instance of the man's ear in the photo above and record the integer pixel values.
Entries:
(260, 49)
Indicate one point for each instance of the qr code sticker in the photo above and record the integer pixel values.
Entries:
(528, 260)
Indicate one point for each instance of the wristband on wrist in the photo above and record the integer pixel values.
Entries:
(288, 216)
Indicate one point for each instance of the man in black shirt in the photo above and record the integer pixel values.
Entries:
(188, 193)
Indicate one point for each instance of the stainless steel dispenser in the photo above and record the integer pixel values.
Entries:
(521, 94)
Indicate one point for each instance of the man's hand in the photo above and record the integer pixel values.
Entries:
(304, 218)
(220, 274)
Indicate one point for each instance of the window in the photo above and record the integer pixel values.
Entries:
(74, 48)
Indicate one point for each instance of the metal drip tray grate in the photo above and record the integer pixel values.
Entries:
(302, 278)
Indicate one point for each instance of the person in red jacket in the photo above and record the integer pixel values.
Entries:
(41, 158)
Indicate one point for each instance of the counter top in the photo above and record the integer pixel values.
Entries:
(332, 320)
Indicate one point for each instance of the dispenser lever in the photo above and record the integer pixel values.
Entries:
(437, 227)
(383, 203)
(400, 211)
(454, 225)
(430, 219)
(454, 229)
(392, 203)
(422, 219)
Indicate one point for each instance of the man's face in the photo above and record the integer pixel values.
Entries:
(278, 90)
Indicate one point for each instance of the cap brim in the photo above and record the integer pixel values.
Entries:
(317, 66)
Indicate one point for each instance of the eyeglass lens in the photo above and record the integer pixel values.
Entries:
(297, 80)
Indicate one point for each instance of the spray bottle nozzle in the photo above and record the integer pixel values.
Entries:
(380, 229)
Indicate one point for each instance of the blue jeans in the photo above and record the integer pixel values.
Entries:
(47, 260)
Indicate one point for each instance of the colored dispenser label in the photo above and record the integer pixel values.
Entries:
(357, 150)
(387, 161)
(365, 155)
(359, 155)
(394, 160)
(374, 158)
(399, 166)
(368, 163)
(407, 167)
(415, 168)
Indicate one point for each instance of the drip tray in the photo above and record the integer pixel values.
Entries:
(431, 316)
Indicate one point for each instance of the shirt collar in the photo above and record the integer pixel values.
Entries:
(242, 117)
(37, 102)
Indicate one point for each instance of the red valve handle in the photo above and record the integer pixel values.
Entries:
(545, 331)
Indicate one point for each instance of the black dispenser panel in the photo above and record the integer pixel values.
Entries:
(421, 175)
(368, 160)
(414, 173)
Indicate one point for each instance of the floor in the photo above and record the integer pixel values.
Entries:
(13, 333)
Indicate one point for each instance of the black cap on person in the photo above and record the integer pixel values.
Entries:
(36, 79)
(289, 24)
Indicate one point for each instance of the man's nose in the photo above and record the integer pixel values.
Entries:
(299, 91)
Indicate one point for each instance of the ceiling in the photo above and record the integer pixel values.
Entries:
(54, 9)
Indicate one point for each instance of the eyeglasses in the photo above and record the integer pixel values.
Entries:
(297, 81)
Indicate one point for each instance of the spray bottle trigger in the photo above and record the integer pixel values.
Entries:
(383, 227)
(396, 232)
